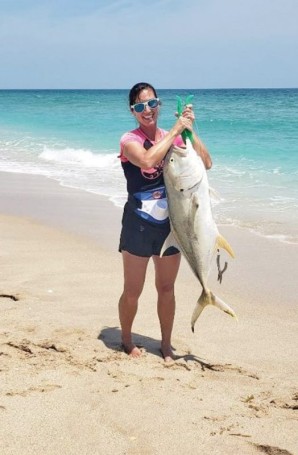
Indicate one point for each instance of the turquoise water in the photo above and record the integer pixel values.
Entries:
(73, 136)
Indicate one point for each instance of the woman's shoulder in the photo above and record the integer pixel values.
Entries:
(129, 136)
(133, 135)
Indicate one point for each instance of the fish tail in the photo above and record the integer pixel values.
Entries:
(201, 303)
(208, 298)
(216, 301)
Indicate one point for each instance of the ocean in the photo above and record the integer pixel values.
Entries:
(72, 136)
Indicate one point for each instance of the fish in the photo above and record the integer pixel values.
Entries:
(193, 229)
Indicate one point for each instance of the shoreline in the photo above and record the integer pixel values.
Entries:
(67, 385)
(288, 237)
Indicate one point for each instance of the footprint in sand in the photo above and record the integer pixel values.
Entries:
(41, 388)
(47, 351)
(271, 450)
(262, 402)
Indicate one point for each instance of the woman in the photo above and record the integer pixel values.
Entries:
(145, 222)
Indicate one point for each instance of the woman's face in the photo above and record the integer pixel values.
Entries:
(149, 115)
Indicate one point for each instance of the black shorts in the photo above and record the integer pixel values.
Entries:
(142, 238)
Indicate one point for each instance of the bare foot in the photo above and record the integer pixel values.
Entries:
(132, 350)
(167, 353)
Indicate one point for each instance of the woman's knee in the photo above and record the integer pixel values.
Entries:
(132, 292)
(165, 288)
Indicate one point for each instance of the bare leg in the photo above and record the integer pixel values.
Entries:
(166, 269)
(134, 277)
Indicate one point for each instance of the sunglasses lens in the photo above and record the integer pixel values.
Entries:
(139, 107)
(153, 103)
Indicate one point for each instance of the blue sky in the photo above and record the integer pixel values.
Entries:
(170, 43)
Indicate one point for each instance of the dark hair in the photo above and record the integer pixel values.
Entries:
(136, 89)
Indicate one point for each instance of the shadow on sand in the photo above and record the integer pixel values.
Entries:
(111, 337)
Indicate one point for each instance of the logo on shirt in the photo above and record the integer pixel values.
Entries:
(153, 173)
(157, 194)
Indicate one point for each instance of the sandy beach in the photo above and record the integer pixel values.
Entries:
(66, 387)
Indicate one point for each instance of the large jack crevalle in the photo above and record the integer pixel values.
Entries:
(192, 224)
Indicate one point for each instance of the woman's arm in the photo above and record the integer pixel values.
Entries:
(146, 159)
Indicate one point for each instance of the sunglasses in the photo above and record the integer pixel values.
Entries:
(140, 107)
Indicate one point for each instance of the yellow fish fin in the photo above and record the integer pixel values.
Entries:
(221, 242)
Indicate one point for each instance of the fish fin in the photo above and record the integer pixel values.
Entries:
(201, 303)
(170, 241)
(216, 301)
(221, 242)
(214, 194)
(208, 298)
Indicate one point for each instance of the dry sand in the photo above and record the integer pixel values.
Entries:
(67, 388)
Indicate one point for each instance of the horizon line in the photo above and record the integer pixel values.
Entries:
(175, 88)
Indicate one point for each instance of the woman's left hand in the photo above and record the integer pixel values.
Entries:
(188, 112)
